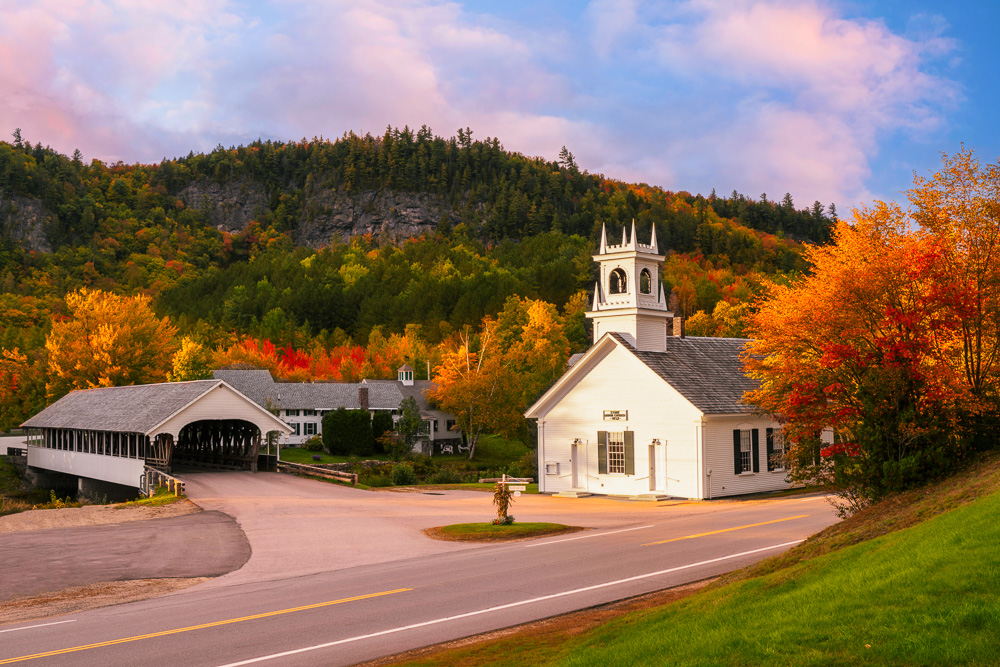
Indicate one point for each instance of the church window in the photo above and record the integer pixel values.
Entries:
(645, 282)
(775, 449)
(616, 452)
(618, 283)
(745, 449)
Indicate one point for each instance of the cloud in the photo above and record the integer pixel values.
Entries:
(809, 94)
(757, 95)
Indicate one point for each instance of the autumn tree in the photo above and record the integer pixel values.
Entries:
(107, 340)
(488, 380)
(960, 207)
(191, 362)
(22, 387)
(860, 346)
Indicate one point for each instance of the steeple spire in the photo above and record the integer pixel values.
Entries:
(629, 296)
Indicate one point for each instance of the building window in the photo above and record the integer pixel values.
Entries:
(295, 428)
(308, 413)
(618, 282)
(450, 424)
(645, 282)
(310, 428)
(776, 449)
(745, 451)
(291, 413)
(616, 453)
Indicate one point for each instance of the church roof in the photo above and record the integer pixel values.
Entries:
(706, 371)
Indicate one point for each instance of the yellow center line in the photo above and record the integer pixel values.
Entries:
(724, 530)
(214, 624)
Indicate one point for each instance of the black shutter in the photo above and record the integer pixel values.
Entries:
(602, 452)
(755, 442)
(736, 452)
(770, 449)
(629, 452)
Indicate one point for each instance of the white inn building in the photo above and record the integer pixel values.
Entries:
(647, 410)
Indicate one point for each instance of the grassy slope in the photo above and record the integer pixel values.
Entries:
(911, 581)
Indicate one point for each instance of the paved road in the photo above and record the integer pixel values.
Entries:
(205, 544)
(382, 588)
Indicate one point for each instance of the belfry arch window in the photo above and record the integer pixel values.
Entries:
(645, 282)
(618, 282)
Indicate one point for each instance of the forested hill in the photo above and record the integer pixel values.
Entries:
(227, 237)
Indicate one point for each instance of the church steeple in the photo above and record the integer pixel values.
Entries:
(628, 297)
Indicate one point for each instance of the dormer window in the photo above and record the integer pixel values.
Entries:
(645, 282)
(618, 282)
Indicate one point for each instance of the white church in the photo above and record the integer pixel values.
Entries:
(648, 411)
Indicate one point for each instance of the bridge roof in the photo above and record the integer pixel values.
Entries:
(133, 408)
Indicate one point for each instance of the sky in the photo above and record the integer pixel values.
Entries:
(831, 100)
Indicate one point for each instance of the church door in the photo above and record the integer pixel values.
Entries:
(576, 465)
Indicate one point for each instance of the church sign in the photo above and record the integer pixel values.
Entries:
(615, 415)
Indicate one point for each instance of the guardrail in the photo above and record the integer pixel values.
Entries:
(515, 480)
(152, 478)
(300, 469)
(17, 451)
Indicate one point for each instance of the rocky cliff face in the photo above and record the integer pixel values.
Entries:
(324, 215)
(22, 221)
(330, 214)
(229, 207)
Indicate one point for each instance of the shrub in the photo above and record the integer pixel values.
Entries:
(445, 476)
(403, 475)
(526, 466)
(375, 481)
(314, 444)
(381, 422)
(348, 432)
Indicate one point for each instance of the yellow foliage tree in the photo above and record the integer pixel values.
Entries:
(108, 340)
(191, 362)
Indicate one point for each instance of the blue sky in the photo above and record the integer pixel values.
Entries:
(839, 101)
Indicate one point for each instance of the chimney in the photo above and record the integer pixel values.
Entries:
(678, 323)
(363, 397)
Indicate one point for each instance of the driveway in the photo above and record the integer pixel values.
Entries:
(204, 544)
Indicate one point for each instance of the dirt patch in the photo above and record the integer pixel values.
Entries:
(92, 596)
(90, 515)
(550, 633)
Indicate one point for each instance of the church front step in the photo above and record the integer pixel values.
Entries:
(651, 497)
(571, 494)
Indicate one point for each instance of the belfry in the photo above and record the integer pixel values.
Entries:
(628, 297)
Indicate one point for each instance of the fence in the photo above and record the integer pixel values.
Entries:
(152, 478)
(299, 469)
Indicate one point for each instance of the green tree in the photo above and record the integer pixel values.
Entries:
(409, 425)
(348, 432)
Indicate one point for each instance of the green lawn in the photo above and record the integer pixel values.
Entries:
(303, 456)
(487, 532)
(925, 595)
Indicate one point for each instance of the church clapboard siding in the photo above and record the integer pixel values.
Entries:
(675, 400)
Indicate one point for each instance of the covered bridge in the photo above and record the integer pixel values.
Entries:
(112, 434)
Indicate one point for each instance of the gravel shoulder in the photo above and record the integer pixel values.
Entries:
(90, 515)
(40, 536)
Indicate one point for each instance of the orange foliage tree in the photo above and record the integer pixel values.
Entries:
(861, 345)
(487, 381)
(107, 340)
